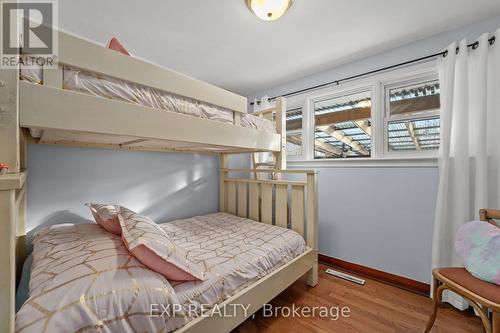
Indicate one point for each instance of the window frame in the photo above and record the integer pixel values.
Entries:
(387, 86)
(340, 93)
(294, 106)
(377, 84)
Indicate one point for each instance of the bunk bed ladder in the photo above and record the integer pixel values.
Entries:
(266, 160)
(272, 161)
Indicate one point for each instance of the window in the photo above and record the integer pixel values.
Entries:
(294, 132)
(412, 120)
(393, 115)
(342, 126)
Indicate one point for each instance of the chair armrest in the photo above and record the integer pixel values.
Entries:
(488, 215)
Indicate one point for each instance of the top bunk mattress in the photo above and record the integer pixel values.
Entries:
(84, 279)
(121, 90)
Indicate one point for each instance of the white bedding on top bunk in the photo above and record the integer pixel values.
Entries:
(116, 89)
(83, 278)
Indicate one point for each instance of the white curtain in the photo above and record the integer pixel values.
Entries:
(469, 157)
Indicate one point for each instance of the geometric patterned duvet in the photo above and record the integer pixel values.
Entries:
(83, 278)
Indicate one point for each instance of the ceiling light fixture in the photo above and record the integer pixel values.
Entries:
(269, 10)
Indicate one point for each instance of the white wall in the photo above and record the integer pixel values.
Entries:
(380, 217)
(164, 186)
(412, 51)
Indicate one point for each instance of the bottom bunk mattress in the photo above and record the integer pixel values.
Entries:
(83, 278)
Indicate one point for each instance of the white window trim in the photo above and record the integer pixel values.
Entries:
(386, 87)
(381, 156)
(411, 162)
(295, 104)
(338, 93)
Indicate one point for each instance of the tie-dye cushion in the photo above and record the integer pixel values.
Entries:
(478, 244)
(149, 243)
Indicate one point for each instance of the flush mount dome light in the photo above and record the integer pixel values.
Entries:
(269, 10)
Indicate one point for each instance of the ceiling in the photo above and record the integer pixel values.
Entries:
(221, 42)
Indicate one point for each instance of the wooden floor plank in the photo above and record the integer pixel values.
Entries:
(375, 307)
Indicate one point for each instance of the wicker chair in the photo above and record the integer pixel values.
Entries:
(481, 295)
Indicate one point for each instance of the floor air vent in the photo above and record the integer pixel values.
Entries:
(345, 276)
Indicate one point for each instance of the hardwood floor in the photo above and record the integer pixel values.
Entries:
(375, 307)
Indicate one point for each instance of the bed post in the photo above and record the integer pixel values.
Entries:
(12, 194)
(222, 184)
(281, 130)
(312, 224)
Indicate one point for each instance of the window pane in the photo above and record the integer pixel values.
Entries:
(416, 134)
(343, 126)
(416, 124)
(294, 132)
(414, 99)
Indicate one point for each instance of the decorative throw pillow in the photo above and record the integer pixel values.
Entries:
(114, 44)
(151, 245)
(106, 217)
(478, 244)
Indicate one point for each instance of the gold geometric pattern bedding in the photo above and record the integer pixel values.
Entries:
(139, 230)
(84, 279)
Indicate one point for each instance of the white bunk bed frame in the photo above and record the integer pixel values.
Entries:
(65, 117)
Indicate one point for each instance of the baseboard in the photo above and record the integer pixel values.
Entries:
(392, 279)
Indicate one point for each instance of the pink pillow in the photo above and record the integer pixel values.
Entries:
(151, 245)
(106, 217)
(114, 44)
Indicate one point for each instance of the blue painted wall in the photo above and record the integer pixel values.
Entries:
(164, 186)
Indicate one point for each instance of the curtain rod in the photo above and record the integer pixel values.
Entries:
(474, 46)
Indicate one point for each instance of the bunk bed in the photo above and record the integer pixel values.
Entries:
(45, 107)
